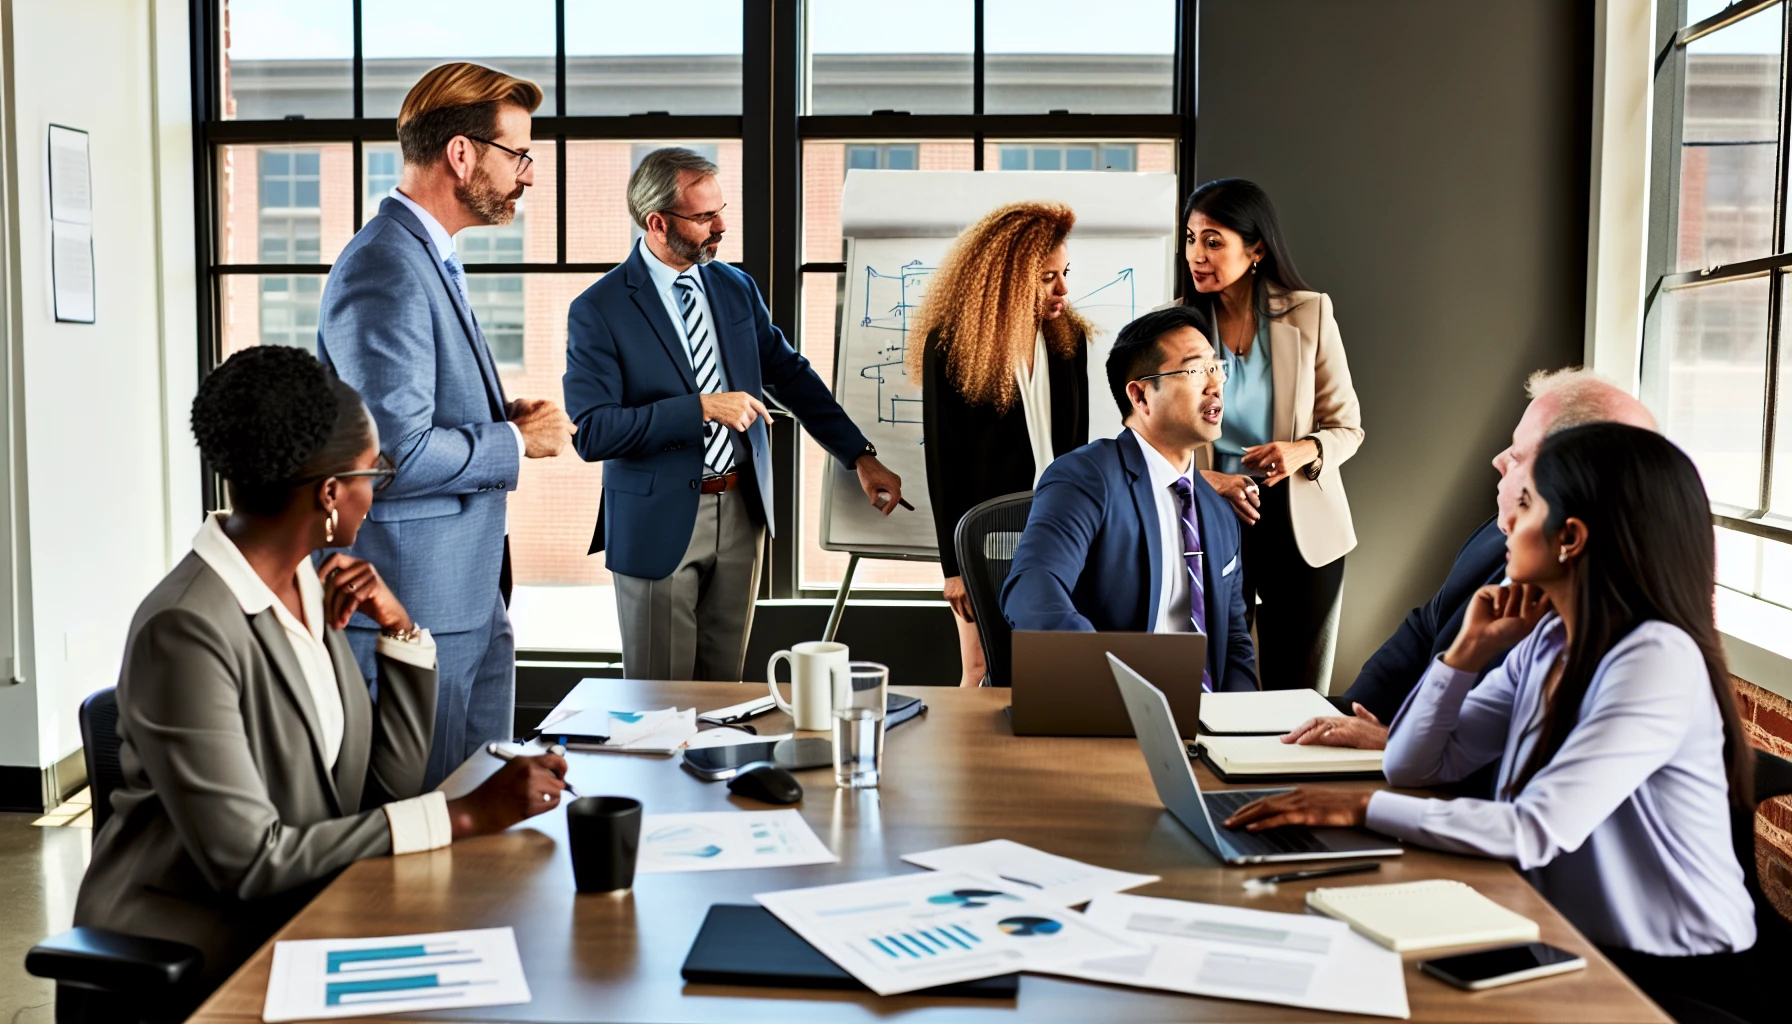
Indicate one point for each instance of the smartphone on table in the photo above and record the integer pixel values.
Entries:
(1491, 968)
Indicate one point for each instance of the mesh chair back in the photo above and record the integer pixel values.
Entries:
(99, 744)
(985, 539)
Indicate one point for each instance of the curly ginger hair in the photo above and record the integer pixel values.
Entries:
(983, 303)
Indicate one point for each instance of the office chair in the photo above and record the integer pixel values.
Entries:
(100, 974)
(985, 541)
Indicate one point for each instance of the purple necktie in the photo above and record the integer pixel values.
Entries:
(1192, 557)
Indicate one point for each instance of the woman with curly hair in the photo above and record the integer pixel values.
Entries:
(256, 764)
(1003, 373)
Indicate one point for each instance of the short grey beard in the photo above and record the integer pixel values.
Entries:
(690, 252)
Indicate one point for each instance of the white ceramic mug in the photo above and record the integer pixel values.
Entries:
(811, 688)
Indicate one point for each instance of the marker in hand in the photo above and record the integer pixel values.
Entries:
(883, 498)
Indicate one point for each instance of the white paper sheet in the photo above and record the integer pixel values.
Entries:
(317, 978)
(1211, 950)
(631, 732)
(1261, 711)
(728, 840)
(1045, 877)
(916, 931)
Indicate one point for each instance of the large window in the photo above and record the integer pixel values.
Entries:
(298, 148)
(1720, 258)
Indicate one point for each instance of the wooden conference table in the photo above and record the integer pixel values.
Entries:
(955, 775)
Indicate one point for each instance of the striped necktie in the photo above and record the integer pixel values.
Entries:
(700, 346)
(1192, 557)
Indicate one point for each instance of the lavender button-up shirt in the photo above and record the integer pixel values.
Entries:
(1626, 830)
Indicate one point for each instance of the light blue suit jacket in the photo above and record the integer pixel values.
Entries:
(395, 328)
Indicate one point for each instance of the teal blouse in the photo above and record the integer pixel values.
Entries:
(1250, 403)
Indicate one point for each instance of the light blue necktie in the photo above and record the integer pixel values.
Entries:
(700, 346)
(458, 274)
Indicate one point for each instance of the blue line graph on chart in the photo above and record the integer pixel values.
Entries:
(893, 297)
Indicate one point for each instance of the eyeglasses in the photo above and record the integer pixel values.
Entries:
(382, 473)
(1214, 369)
(523, 160)
(699, 219)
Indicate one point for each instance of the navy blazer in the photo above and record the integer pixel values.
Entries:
(1394, 670)
(1092, 538)
(630, 392)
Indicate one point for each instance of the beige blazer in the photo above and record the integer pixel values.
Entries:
(228, 822)
(1313, 397)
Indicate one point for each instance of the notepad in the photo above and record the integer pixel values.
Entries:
(1246, 756)
(1437, 912)
(1261, 711)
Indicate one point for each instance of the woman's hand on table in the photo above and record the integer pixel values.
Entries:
(1240, 491)
(1362, 731)
(1322, 808)
(1278, 460)
(523, 788)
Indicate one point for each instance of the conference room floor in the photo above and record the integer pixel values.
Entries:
(40, 872)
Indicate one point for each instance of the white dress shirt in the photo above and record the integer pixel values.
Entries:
(443, 243)
(1036, 405)
(1172, 598)
(1626, 830)
(663, 278)
(420, 823)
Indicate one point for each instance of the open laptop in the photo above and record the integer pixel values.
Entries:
(1060, 679)
(1201, 813)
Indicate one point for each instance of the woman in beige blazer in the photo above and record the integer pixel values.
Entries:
(1290, 421)
(256, 765)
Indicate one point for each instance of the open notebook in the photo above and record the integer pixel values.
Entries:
(1436, 912)
(1249, 757)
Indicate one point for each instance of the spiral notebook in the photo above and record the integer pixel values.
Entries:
(1405, 916)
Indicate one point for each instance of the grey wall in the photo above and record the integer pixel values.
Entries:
(1430, 162)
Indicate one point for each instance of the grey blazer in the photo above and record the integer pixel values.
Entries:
(227, 822)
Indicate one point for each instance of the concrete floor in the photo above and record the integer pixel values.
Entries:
(40, 871)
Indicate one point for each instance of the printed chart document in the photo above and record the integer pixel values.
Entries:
(727, 840)
(1261, 711)
(317, 978)
(916, 931)
(1045, 877)
(1232, 953)
(664, 731)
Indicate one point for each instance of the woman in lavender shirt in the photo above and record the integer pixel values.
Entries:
(1612, 720)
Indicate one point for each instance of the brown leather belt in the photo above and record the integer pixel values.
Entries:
(719, 484)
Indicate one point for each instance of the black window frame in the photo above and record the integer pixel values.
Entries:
(771, 128)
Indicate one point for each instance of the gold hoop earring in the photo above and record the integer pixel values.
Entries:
(330, 527)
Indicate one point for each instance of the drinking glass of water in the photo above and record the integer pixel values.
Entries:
(858, 723)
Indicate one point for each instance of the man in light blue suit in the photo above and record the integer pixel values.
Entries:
(396, 324)
(1124, 536)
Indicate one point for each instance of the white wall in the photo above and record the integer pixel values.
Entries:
(1618, 208)
(103, 492)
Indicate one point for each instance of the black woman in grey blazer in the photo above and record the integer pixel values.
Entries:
(256, 762)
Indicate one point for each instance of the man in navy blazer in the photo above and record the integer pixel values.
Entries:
(1123, 534)
(396, 324)
(668, 360)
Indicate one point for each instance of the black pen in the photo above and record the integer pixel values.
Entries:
(1299, 876)
(504, 755)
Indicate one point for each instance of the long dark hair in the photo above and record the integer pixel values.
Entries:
(1650, 554)
(1243, 207)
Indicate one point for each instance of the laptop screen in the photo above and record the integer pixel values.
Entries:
(1161, 743)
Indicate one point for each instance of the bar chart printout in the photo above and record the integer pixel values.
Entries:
(321, 978)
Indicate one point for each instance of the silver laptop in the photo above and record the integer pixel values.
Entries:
(1201, 813)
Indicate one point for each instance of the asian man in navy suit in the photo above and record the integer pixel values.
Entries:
(1124, 535)
(397, 325)
(668, 360)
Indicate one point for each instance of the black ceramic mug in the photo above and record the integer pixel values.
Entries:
(605, 832)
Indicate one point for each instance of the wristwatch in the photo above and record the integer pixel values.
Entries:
(1312, 469)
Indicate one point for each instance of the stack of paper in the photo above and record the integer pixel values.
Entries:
(726, 840)
(1261, 711)
(394, 974)
(1268, 755)
(664, 731)
(1047, 877)
(1423, 915)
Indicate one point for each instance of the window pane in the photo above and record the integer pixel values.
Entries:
(598, 226)
(1782, 445)
(270, 310)
(817, 335)
(913, 56)
(285, 204)
(824, 175)
(1728, 143)
(1115, 57)
(1708, 382)
(1080, 156)
(284, 59)
(624, 57)
(404, 38)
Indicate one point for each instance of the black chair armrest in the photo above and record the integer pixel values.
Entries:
(105, 959)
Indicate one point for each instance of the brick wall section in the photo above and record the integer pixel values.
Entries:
(1767, 717)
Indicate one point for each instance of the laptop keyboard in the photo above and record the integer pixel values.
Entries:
(1294, 839)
